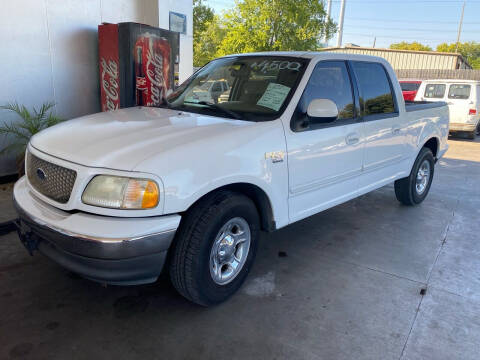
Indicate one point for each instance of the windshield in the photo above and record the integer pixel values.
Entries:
(255, 88)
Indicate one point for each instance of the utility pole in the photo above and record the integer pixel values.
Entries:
(329, 12)
(374, 41)
(460, 27)
(340, 24)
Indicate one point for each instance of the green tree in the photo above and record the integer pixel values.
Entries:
(207, 42)
(203, 16)
(469, 50)
(415, 46)
(270, 25)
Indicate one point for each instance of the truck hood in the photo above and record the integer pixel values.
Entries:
(122, 139)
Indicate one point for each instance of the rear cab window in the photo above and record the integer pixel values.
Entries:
(459, 91)
(377, 98)
(409, 86)
(435, 91)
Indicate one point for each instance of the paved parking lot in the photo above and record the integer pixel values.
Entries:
(344, 284)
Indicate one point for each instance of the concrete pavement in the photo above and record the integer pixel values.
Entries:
(369, 279)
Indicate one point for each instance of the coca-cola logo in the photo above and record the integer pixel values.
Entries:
(155, 75)
(110, 83)
(141, 83)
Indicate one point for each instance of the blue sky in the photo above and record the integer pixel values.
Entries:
(428, 21)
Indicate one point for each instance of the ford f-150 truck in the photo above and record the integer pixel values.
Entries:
(118, 196)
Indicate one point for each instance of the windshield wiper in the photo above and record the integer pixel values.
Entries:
(216, 107)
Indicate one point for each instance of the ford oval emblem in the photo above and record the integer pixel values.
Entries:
(41, 174)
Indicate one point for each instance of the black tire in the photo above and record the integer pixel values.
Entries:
(405, 189)
(190, 260)
(472, 135)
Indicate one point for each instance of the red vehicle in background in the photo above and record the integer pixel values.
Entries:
(409, 88)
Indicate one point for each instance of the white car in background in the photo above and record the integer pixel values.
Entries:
(463, 99)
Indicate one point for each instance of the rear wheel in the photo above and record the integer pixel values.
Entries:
(412, 190)
(215, 248)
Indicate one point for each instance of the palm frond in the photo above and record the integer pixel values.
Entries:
(30, 124)
(53, 120)
(21, 110)
(17, 148)
(13, 129)
(27, 127)
(44, 109)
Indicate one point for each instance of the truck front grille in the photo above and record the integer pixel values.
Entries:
(53, 181)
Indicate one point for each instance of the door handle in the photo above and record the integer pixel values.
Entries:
(352, 139)
(395, 130)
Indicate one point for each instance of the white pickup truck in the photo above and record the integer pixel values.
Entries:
(118, 196)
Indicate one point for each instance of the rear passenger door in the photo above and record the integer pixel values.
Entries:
(385, 134)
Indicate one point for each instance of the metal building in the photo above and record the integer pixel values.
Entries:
(407, 59)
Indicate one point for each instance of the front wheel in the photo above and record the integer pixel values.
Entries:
(215, 248)
(412, 190)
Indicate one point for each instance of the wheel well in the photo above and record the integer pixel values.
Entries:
(432, 144)
(258, 196)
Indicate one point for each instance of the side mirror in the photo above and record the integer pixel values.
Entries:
(322, 108)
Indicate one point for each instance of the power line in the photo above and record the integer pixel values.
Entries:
(403, 29)
(398, 37)
(456, 2)
(410, 2)
(409, 21)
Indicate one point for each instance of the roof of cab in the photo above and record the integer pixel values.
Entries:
(315, 54)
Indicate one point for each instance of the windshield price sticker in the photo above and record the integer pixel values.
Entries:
(274, 96)
(267, 65)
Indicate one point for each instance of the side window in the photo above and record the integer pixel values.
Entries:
(376, 94)
(435, 91)
(459, 91)
(329, 80)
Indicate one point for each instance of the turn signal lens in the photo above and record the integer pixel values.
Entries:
(150, 195)
(472, 112)
(121, 192)
(140, 194)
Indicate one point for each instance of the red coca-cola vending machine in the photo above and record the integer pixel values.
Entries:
(137, 64)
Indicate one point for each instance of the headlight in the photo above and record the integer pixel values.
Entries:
(121, 192)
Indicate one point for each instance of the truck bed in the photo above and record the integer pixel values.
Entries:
(423, 105)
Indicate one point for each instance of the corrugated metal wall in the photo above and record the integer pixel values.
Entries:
(407, 60)
(424, 74)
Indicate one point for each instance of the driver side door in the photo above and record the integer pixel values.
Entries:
(325, 155)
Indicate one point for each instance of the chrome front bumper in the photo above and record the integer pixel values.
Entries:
(106, 249)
